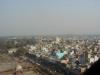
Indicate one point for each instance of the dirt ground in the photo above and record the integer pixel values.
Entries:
(7, 67)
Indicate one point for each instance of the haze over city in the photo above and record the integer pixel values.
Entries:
(49, 37)
(36, 17)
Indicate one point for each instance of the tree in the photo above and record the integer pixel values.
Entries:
(21, 52)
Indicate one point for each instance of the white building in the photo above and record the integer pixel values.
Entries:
(58, 40)
(12, 50)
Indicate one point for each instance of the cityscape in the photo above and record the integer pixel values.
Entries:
(52, 53)
(49, 37)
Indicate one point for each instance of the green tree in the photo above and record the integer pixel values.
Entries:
(21, 52)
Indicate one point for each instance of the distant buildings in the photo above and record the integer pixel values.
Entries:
(12, 50)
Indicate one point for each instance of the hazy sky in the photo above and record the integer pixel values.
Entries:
(29, 17)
